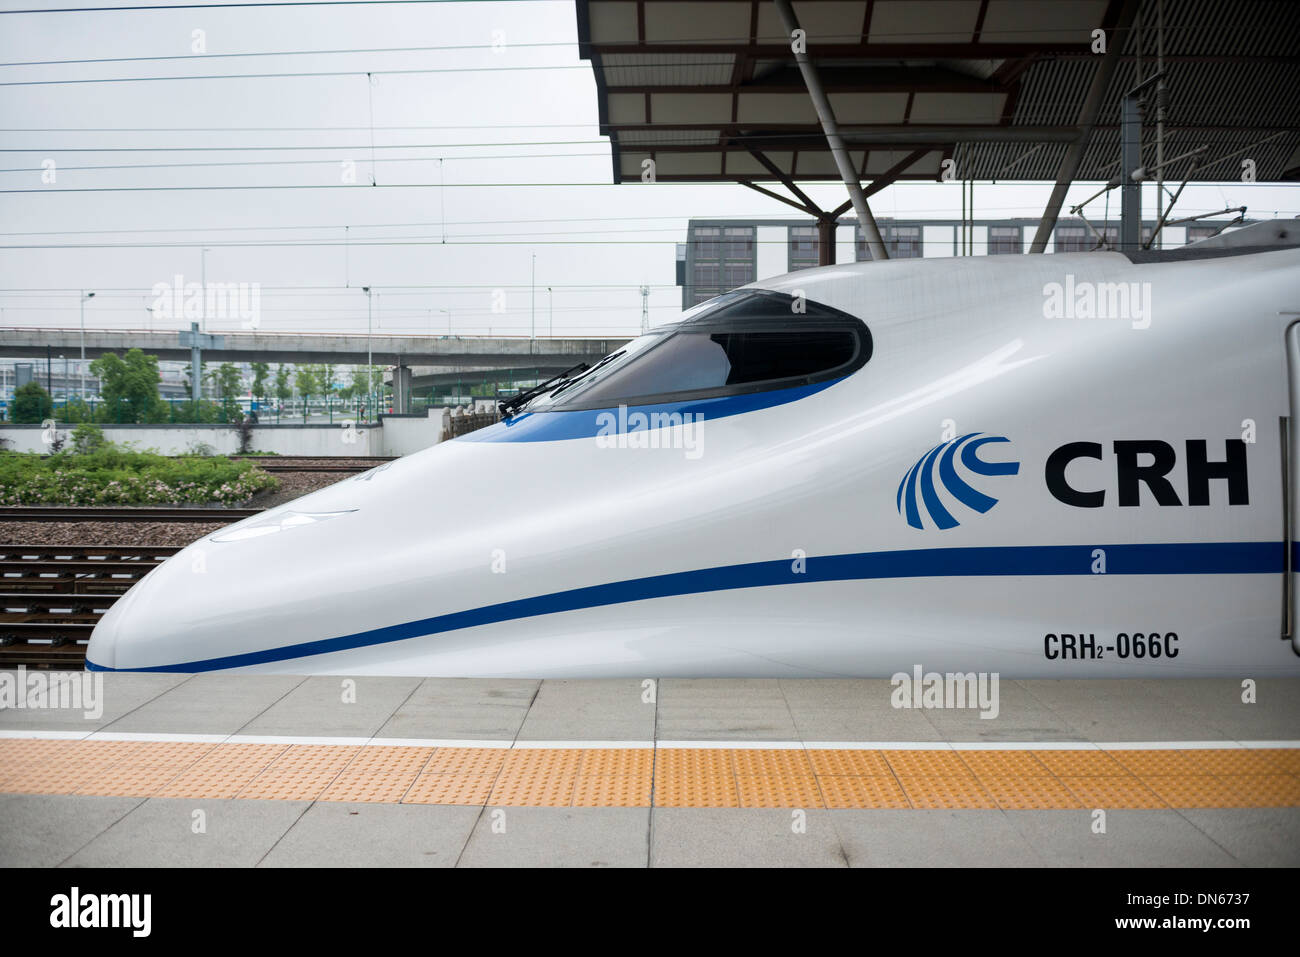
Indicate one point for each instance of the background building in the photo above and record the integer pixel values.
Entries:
(721, 254)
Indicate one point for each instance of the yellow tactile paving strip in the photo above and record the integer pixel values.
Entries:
(661, 777)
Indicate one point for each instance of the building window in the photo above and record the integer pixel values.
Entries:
(904, 242)
(708, 274)
(1072, 239)
(1005, 240)
(803, 247)
(740, 243)
(1081, 239)
(736, 274)
(723, 259)
(1197, 233)
(901, 242)
(706, 242)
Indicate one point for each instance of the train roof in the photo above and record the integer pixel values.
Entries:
(899, 290)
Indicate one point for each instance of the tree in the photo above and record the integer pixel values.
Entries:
(229, 385)
(363, 384)
(128, 384)
(32, 403)
(305, 382)
(260, 372)
(282, 389)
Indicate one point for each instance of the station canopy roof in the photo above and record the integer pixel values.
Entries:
(710, 90)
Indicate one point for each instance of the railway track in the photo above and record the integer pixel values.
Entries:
(122, 513)
(292, 459)
(350, 464)
(51, 597)
(315, 468)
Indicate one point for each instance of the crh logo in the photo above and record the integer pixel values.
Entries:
(1149, 462)
(917, 492)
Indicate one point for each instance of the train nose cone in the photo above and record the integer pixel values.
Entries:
(349, 567)
(101, 653)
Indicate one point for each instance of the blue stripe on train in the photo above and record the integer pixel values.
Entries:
(1191, 558)
(553, 426)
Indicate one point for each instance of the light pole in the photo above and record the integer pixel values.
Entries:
(84, 296)
(550, 313)
(532, 305)
(203, 289)
(369, 363)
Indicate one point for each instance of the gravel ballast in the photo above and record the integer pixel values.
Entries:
(292, 485)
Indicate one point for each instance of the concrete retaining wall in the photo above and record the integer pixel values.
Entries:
(395, 435)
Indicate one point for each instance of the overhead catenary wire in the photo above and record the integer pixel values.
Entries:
(446, 48)
(241, 4)
(316, 74)
(311, 162)
(338, 226)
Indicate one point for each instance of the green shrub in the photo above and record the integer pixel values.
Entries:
(187, 411)
(74, 411)
(114, 476)
(31, 403)
(88, 438)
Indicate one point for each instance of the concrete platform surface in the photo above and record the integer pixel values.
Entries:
(222, 770)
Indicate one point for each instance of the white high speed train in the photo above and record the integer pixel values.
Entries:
(1042, 466)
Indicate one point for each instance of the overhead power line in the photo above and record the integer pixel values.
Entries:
(314, 162)
(276, 149)
(219, 6)
(216, 56)
(284, 129)
(341, 226)
(314, 74)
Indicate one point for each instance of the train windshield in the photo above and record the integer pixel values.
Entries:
(745, 341)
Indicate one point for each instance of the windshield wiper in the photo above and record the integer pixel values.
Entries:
(517, 402)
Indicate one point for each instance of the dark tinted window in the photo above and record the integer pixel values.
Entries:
(691, 361)
(744, 341)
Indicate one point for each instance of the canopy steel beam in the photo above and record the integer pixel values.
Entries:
(827, 117)
(1087, 120)
(814, 211)
(786, 180)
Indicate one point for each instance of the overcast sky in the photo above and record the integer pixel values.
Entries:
(594, 245)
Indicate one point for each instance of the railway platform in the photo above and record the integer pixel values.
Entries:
(245, 770)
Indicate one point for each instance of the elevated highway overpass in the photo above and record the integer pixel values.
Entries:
(447, 352)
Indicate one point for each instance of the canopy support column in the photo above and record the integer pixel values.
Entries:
(827, 117)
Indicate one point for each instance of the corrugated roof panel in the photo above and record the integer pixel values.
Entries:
(1231, 67)
(1033, 21)
(938, 21)
(668, 69)
(822, 22)
(634, 138)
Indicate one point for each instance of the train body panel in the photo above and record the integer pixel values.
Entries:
(998, 488)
